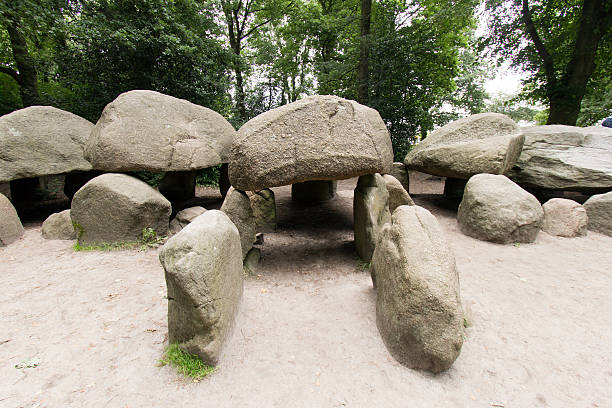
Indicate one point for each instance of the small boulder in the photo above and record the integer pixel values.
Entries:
(599, 211)
(59, 226)
(482, 143)
(397, 194)
(237, 206)
(263, 204)
(115, 208)
(314, 191)
(496, 209)
(204, 277)
(184, 217)
(418, 306)
(10, 224)
(399, 171)
(564, 218)
(370, 213)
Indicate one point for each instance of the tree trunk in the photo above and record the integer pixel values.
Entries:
(240, 97)
(564, 109)
(364, 51)
(28, 77)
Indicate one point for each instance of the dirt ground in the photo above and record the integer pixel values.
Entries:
(540, 318)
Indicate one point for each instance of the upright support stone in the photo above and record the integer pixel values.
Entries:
(400, 172)
(370, 213)
(237, 206)
(204, 276)
(224, 182)
(10, 224)
(453, 188)
(314, 191)
(397, 193)
(263, 204)
(178, 185)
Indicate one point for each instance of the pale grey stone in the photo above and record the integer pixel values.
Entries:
(599, 211)
(59, 226)
(370, 213)
(564, 218)
(237, 206)
(10, 224)
(397, 194)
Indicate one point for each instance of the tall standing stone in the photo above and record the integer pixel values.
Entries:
(204, 277)
(263, 204)
(370, 213)
(237, 206)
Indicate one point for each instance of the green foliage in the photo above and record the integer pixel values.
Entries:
(9, 95)
(209, 176)
(149, 239)
(187, 364)
(515, 108)
(151, 178)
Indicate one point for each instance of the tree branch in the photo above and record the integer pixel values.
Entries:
(11, 72)
(255, 28)
(549, 66)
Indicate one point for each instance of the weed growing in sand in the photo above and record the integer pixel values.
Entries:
(148, 239)
(187, 364)
(364, 266)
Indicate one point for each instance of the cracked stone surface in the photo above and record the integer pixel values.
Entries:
(560, 157)
(316, 138)
(147, 130)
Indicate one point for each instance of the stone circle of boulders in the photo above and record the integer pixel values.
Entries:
(399, 171)
(237, 206)
(314, 191)
(263, 204)
(114, 208)
(599, 211)
(59, 226)
(319, 137)
(496, 209)
(482, 143)
(564, 218)
(204, 277)
(10, 224)
(397, 194)
(559, 157)
(184, 217)
(418, 306)
(370, 213)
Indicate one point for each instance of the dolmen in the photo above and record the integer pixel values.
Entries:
(146, 130)
(42, 141)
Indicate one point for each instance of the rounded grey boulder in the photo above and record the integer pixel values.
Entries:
(320, 137)
(564, 218)
(599, 211)
(147, 130)
(496, 209)
(237, 206)
(59, 226)
(370, 213)
(117, 208)
(397, 194)
(10, 224)
(40, 141)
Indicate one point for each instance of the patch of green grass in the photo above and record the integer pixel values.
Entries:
(187, 364)
(148, 239)
(364, 266)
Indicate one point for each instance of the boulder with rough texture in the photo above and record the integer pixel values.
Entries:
(42, 140)
(10, 224)
(184, 217)
(599, 211)
(482, 143)
(117, 208)
(397, 194)
(237, 206)
(399, 171)
(59, 226)
(559, 157)
(564, 218)
(320, 137)
(418, 306)
(370, 213)
(263, 204)
(204, 277)
(496, 209)
(314, 191)
(147, 130)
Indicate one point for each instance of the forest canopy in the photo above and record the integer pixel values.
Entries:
(419, 62)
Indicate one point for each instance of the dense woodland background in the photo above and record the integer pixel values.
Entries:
(420, 63)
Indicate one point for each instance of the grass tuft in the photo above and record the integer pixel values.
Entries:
(148, 239)
(187, 364)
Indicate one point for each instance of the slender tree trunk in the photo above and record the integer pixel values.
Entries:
(27, 77)
(364, 51)
(240, 96)
(564, 110)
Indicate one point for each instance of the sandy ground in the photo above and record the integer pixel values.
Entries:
(540, 315)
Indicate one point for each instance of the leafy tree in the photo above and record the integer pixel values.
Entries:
(514, 107)
(564, 43)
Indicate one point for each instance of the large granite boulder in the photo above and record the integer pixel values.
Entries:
(42, 140)
(147, 130)
(316, 138)
(418, 306)
(397, 194)
(370, 213)
(496, 209)
(204, 277)
(10, 224)
(184, 217)
(59, 226)
(559, 157)
(314, 191)
(117, 208)
(237, 206)
(482, 143)
(564, 218)
(399, 171)
(263, 204)
(599, 211)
